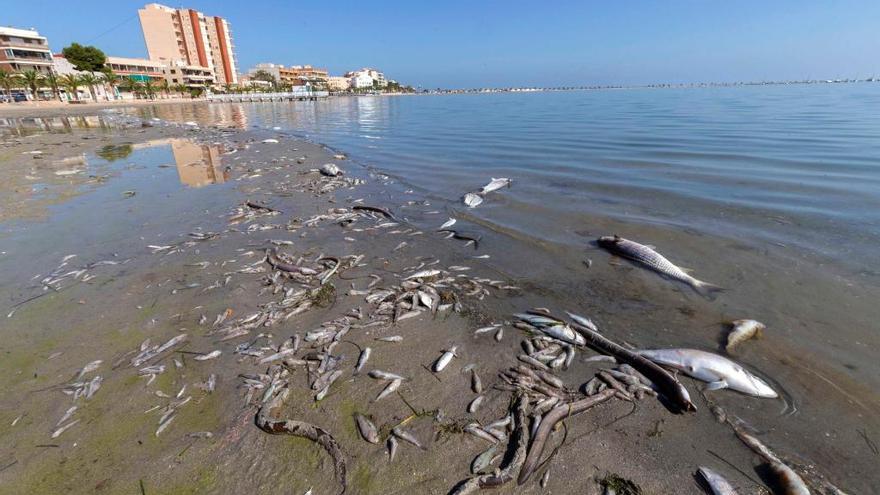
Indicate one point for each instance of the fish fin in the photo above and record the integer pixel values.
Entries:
(716, 385)
(707, 290)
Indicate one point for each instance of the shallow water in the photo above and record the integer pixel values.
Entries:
(770, 192)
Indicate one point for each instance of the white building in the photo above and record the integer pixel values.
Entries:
(359, 77)
(24, 49)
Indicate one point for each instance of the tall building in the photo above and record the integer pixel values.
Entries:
(190, 37)
(24, 49)
(296, 75)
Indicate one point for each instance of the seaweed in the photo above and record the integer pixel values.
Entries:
(620, 485)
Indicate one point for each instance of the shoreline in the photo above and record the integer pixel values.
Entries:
(658, 466)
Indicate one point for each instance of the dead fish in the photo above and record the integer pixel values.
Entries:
(483, 460)
(392, 386)
(472, 200)
(270, 141)
(790, 482)
(277, 356)
(330, 170)
(448, 223)
(476, 383)
(405, 436)
(210, 355)
(475, 404)
(424, 274)
(655, 261)
(391, 338)
(717, 483)
(367, 428)
(384, 375)
(88, 368)
(392, 447)
(57, 433)
(718, 371)
(743, 330)
(475, 430)
(64, 418)
(583, 320)
(362, 359)
(495, 184)
(444, 359)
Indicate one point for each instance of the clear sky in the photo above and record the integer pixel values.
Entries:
(479, 43)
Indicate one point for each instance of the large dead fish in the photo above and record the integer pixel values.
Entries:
(495, 184)
(716, 370)
(655, 261)
(472, 200)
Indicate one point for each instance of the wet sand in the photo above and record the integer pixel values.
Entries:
(114, 447)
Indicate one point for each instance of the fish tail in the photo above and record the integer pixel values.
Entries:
(707, 290)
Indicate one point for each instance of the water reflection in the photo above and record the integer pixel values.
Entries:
(27, 126)
(233, 116)
(198, 164)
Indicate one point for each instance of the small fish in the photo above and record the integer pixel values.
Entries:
(716, 482)
(392, 447)
(472, 200)
(483, 460)
(392, 386)
(267, 141)
(448, 223)
(384, 375)
(495, 184)
(424, 274)
(89, 368)
(475, 430)
(743, 330)
(367, 428)
(362, 359)
(476, 383)
(210, 355)
(444, 359)
(391, 338)
(405, 436)
(277, 356)
(475, 404)
(655, 261)
(57, 433)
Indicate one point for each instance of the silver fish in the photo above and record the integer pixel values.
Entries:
(472, 200)
(716, 482)
(424, 274)
(448, 223)
(362, 359)
(367, 428)
(476, 383)
(389, 389)
(743, 330)
(789, 481)
(475, 404)
(655, 261)
(405, 436)
(384, 375)
(210, 355)
(483, 460)
(716, 370)
(330, 170)
(444, 359)
(495, 184)
(392, 447)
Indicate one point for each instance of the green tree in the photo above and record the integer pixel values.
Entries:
(180, 89)
(150, 89)
(71, 83)
(54, 82)
(90, 80)
(115, 152)
(85, 58)
(8, 80)
(165, 87)
(128, 84)
(262, 75)
(111, 79)
(33, 80)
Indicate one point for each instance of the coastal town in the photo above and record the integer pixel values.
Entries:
(189, 54)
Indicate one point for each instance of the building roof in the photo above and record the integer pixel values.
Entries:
(135, 61)
(21, 33)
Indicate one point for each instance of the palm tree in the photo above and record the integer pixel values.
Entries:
(8, 80)
(128, 84)
(180, 89)
(89, 79)
(150, 89)
(32, 80)
(71, 83)
(53, 82)
(165, 87)
(111, 79)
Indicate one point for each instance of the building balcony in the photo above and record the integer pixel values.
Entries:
(42, 47)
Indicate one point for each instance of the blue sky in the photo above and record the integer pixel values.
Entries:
(512, 43)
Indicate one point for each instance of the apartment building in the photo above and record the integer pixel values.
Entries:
(296, 75)
(338, 83)
(24, 49)
(138, 69)
(191, 37)
(359, 78)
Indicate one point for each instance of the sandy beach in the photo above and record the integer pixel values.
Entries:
(274, 278)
